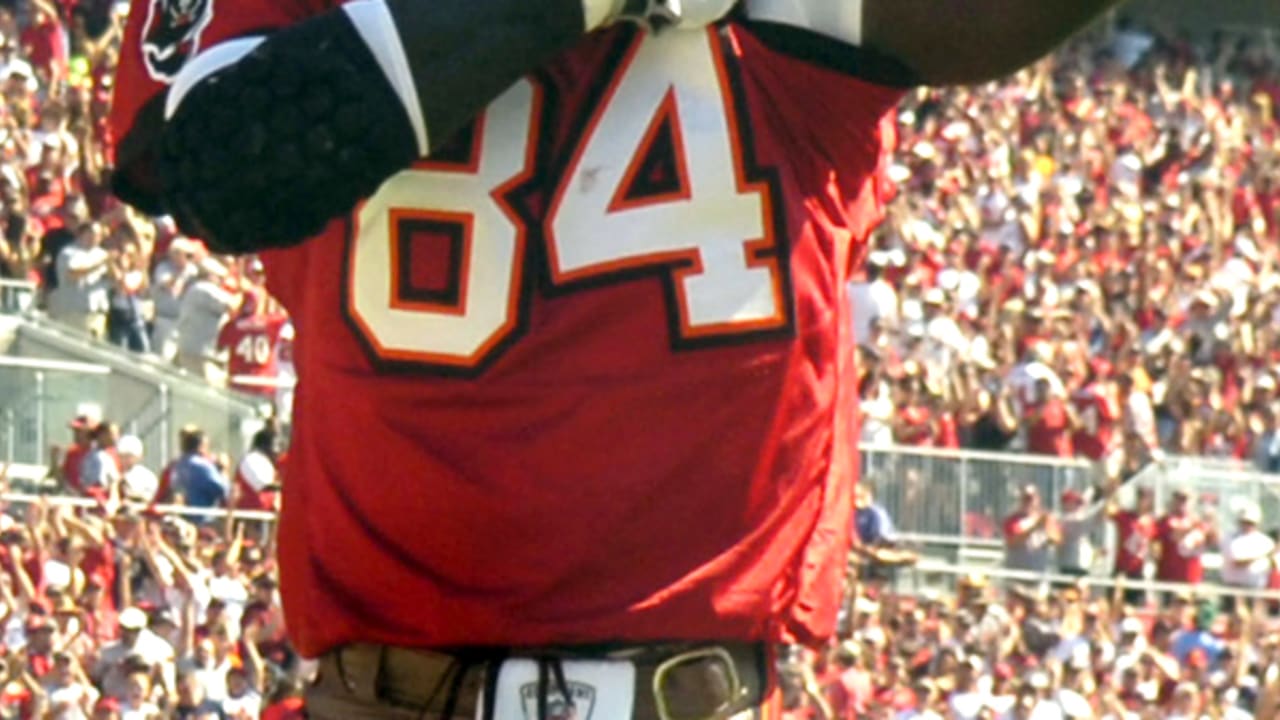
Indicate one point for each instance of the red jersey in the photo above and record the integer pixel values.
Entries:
(1099, 411)
(251, 342)
(917, 426)
(1179, 560)
(1048, 433)
(608, 317)
(1134, 534)
(255, 482)
(71, 463)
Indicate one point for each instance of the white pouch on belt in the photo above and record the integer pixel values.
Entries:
(598, 689)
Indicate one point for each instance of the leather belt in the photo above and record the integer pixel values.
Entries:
(673, 681)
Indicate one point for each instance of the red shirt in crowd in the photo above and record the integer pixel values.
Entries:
(948, 435)
(1179, 559)
(1049, 430)
(850, 694)
(1134, 533)
(287, 709)
(98, 562)
(71, 463)
(915, 426)
(251, 342)
(46, 46)
(255, 480)
(1099, 411)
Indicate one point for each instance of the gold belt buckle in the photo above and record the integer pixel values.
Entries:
(736, 690)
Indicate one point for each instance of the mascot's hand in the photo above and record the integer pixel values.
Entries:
(268, 139)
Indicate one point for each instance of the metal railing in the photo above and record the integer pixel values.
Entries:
(1218, 488)
(18, 498)
(950, 504)
(17, 296)
(41, 387)
(963, 494)
(940, 576)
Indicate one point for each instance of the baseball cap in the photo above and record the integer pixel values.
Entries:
(1250, 513)
(1131, 626)
(1039, 680)
(88, 415)
(1101, 367)
(36, 623)
(1074, 705)
(1072, 495)
(129, 445)
(133, 618)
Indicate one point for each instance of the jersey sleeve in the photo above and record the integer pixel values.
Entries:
(160, 37)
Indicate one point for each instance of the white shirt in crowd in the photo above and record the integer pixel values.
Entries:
(1252, 544)
(1142, 417)
(140, 484)
(90, 293)
(877, 413)
(1022, 381)
(212, 677)
(870, 301)
(68, 701)
(168, 283)
(967, 705)
(257, 470)
(201, 314)
(286, 375)
(247, 707)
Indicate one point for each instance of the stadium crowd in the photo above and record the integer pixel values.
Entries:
(100, 266)
(1020, 653)
(113, 610)
(1082, 260)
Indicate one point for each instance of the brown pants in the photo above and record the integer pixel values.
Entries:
(375, 683)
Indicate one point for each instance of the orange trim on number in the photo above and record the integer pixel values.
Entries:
(467, 222)
(668, 113)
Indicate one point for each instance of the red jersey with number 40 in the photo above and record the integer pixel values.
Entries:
(585, 374)
(251, 342)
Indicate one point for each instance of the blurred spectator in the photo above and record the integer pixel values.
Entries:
(88, 417)
(1048, 421)
(126, 321)
(1134, 537)
(1098, 411)
(169, 280)
(1030, 534)
(100, 471)
(251, 341)
(201, 313)
(140, 484)
(193, 476)
(874, 300)
(1247, 553)
(1079, 522)
(71, 694)
(81, 299)
(127, 667)
(256, 482)
(1182, 538)
(874, 542)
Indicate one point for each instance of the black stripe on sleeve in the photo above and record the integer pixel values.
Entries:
(821, 50)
